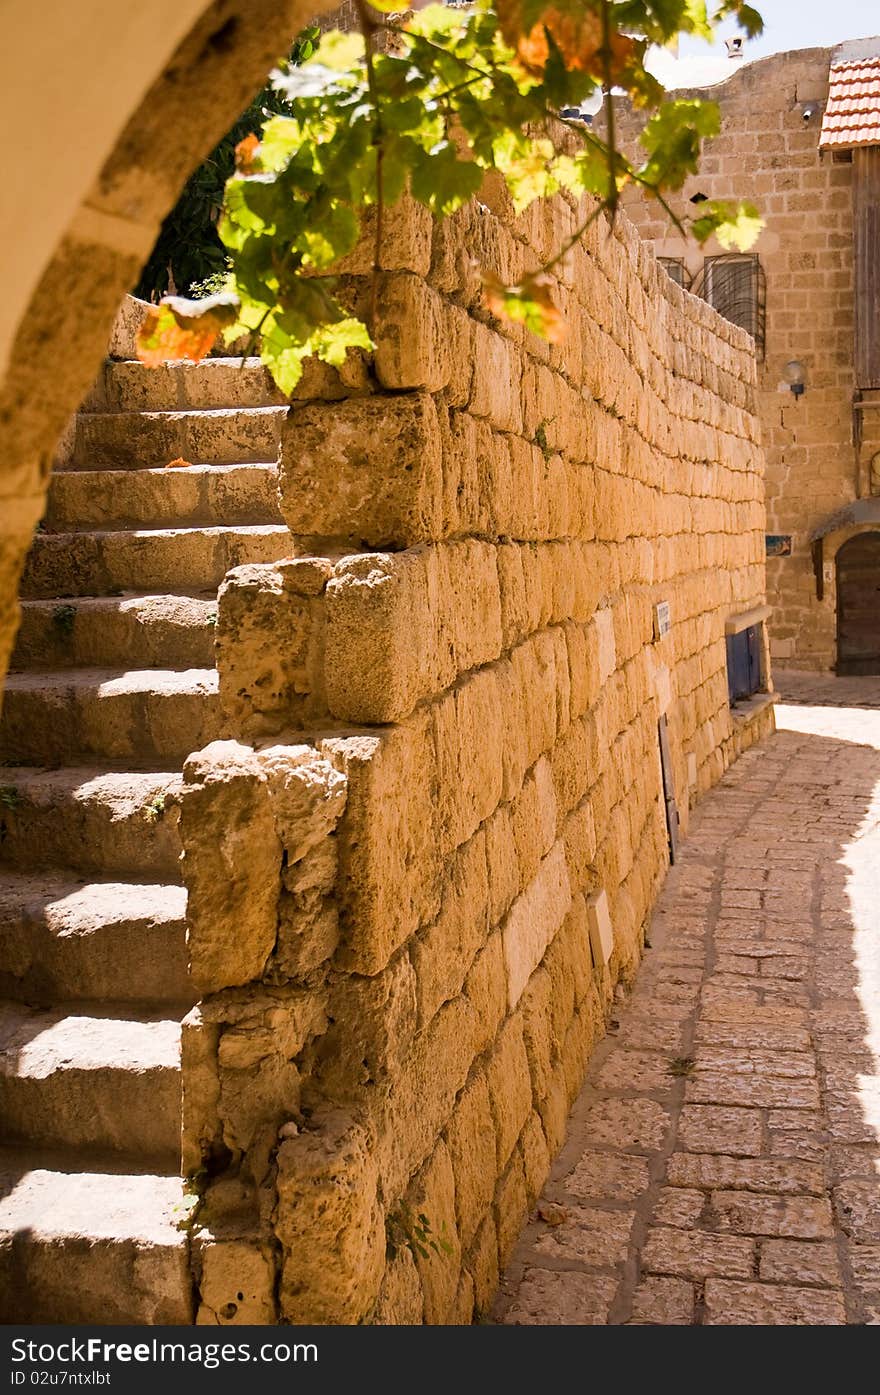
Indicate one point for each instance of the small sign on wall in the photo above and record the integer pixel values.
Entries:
(778, 544)
(662, 619)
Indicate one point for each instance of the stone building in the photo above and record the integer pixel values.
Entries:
(800, 137)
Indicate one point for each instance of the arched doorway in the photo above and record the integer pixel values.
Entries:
(858, 605)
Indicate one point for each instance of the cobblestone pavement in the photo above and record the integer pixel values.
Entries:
(723, 1160)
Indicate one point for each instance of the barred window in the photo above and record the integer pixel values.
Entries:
(674, 268)
(735, 285)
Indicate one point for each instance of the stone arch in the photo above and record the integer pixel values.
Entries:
(174, 75)
(857, 569)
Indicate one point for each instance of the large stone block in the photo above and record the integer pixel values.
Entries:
(390, 861)
(373, 1026)
(510, 1087)
(366, 471)
(404, 626)
(269, 644)
(533, 920)
(470, 1137)
(242, 812)
(236, 1284)
(421, 1099)
(443, 953)
(231, 865)
(432, 1196)
(329, 1223)
(420, 340)
(469, 739)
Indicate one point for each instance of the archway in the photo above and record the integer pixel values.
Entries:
(858, 605)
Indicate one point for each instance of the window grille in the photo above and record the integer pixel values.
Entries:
(736, 286)
(675, 269)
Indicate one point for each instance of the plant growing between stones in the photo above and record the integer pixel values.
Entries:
(155, 810)
(541, 437)
(9, 797)
(454, 96)
(404, 1228)
(63, 617)
(681, 1065)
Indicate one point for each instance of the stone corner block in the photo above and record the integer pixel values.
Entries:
(231, 865)
(367, 470)
(329, 1222)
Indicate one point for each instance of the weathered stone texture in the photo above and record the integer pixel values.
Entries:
(493, 523)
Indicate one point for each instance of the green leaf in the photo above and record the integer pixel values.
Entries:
(442, 181)
(332, 342)
(736, 225)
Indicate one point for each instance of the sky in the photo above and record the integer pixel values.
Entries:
(799, 24)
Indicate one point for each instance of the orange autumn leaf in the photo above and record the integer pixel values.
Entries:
(530, 303)
(538, 291)
(576, 32)
(178, 464)
(184, 329)
(245, 155)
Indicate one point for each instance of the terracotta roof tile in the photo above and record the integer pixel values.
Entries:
(852, 113)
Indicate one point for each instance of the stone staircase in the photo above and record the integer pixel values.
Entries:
(112, 686)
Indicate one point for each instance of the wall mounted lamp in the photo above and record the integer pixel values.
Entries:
(795, 375)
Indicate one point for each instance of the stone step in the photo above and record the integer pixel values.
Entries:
(145, 718)
(207, 494)
(129, 386)
(131, 631)
(135, 440)
(187, 559)
(63, 940)
(96, 820)
(82, 1244)
(105, 1080)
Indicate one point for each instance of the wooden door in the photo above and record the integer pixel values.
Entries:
(858, 605)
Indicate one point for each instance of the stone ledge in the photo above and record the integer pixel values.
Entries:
(749, 709)
(735, 624)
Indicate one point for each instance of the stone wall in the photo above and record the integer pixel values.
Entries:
(768, 152)
(424, 857)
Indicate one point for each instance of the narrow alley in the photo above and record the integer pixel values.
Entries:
(722, 1164)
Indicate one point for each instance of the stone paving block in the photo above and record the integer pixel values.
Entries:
(635, 1070)
(614, 1176)
(795, 1119)
(547, 1297)
(865, 1263)
(589, 1236)
(642, 1034)
(751, 1089)
(720, 1034)
(772, 1305)
(705, 1128)
(663, 1302)
(697, 1254)
(744, 1174)
(754, 1061)
(800, 1262)
(752, 1213)
(791, 1143)
(678, 1206)
(633, 1123)
(857, 1205)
